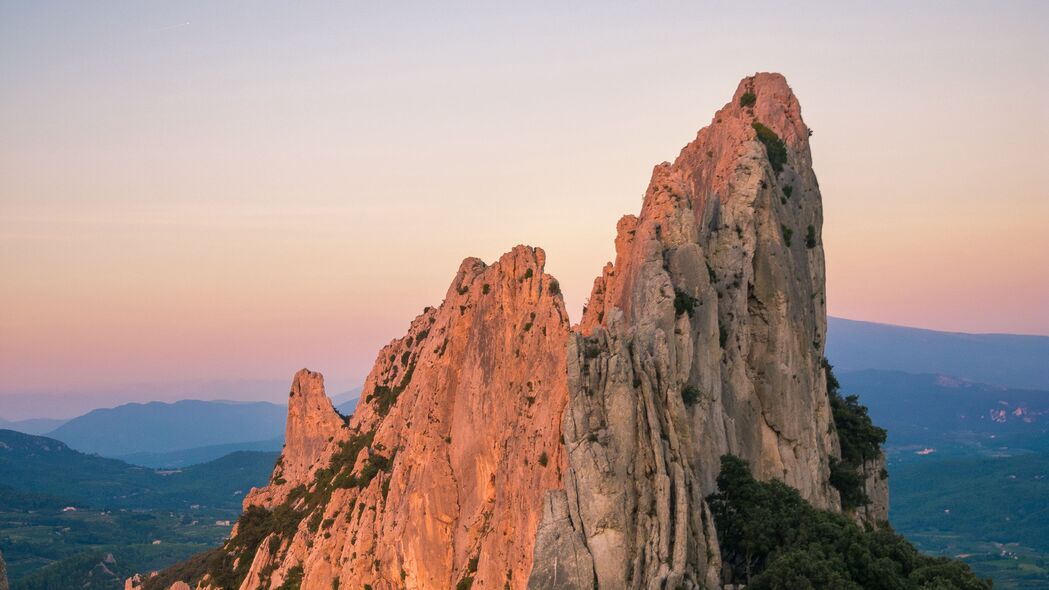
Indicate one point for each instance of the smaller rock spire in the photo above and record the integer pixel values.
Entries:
(312, 422)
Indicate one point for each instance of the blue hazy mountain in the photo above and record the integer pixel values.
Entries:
(32, 426)
(158, 427)
(930, 410)
(346, 408)
(346, 396)
(193, 456)
(1009, 360)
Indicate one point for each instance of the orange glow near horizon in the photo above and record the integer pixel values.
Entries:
(239, 198)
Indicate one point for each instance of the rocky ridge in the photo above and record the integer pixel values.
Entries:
(496, 447)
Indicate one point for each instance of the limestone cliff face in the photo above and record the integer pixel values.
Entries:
(439, 475)
(495, 447)
(312, 425)
(704, 338)
(876, 486)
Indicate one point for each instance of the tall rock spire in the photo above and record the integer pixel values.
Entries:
(495, 447)
(705, 337)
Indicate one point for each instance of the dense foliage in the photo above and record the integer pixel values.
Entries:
(860, 442)
(684, 303)
(771, 538)
(774, 146)
(46, 466)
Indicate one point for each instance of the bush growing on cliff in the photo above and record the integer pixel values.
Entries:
(294, 579)
(859, 438)
(771, 538)
(747, 99)
(774, 146)
(684, 303)
(385, 396)
(690, 395)
(848, 480)
(810, 238)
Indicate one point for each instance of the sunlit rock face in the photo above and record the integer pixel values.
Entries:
(495, 446)
(459, 426)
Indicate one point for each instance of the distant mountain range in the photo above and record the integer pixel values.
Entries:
(174, 435)
(346, 397)
(1001, 359)
(346, 408)
(934, 410)
(158, 427)
(185, 457)
(33, 425)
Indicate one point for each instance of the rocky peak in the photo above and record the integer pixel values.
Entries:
(496, 448)
(313, 425)
(438, 477)
(312, 422)
(705, 337)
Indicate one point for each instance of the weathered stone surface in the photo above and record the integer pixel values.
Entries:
(704, 338)
(467, 407)
(507, 449)
(876, 486)
(312, 425)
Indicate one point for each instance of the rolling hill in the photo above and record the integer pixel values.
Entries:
(40, 465)
(68, 519)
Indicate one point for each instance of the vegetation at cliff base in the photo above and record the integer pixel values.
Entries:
(860, 442)
(771, 538)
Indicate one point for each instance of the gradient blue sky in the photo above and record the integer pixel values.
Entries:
(200, 190)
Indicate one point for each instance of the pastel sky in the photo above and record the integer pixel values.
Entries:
(193, 191)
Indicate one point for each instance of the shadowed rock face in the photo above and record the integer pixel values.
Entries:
(494, 444)
(704, 338)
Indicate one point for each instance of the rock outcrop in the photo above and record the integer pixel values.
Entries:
(438, 477)
(496, 447)
(704, 338)
(876, 487)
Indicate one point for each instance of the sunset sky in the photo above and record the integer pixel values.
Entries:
(193, 192)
